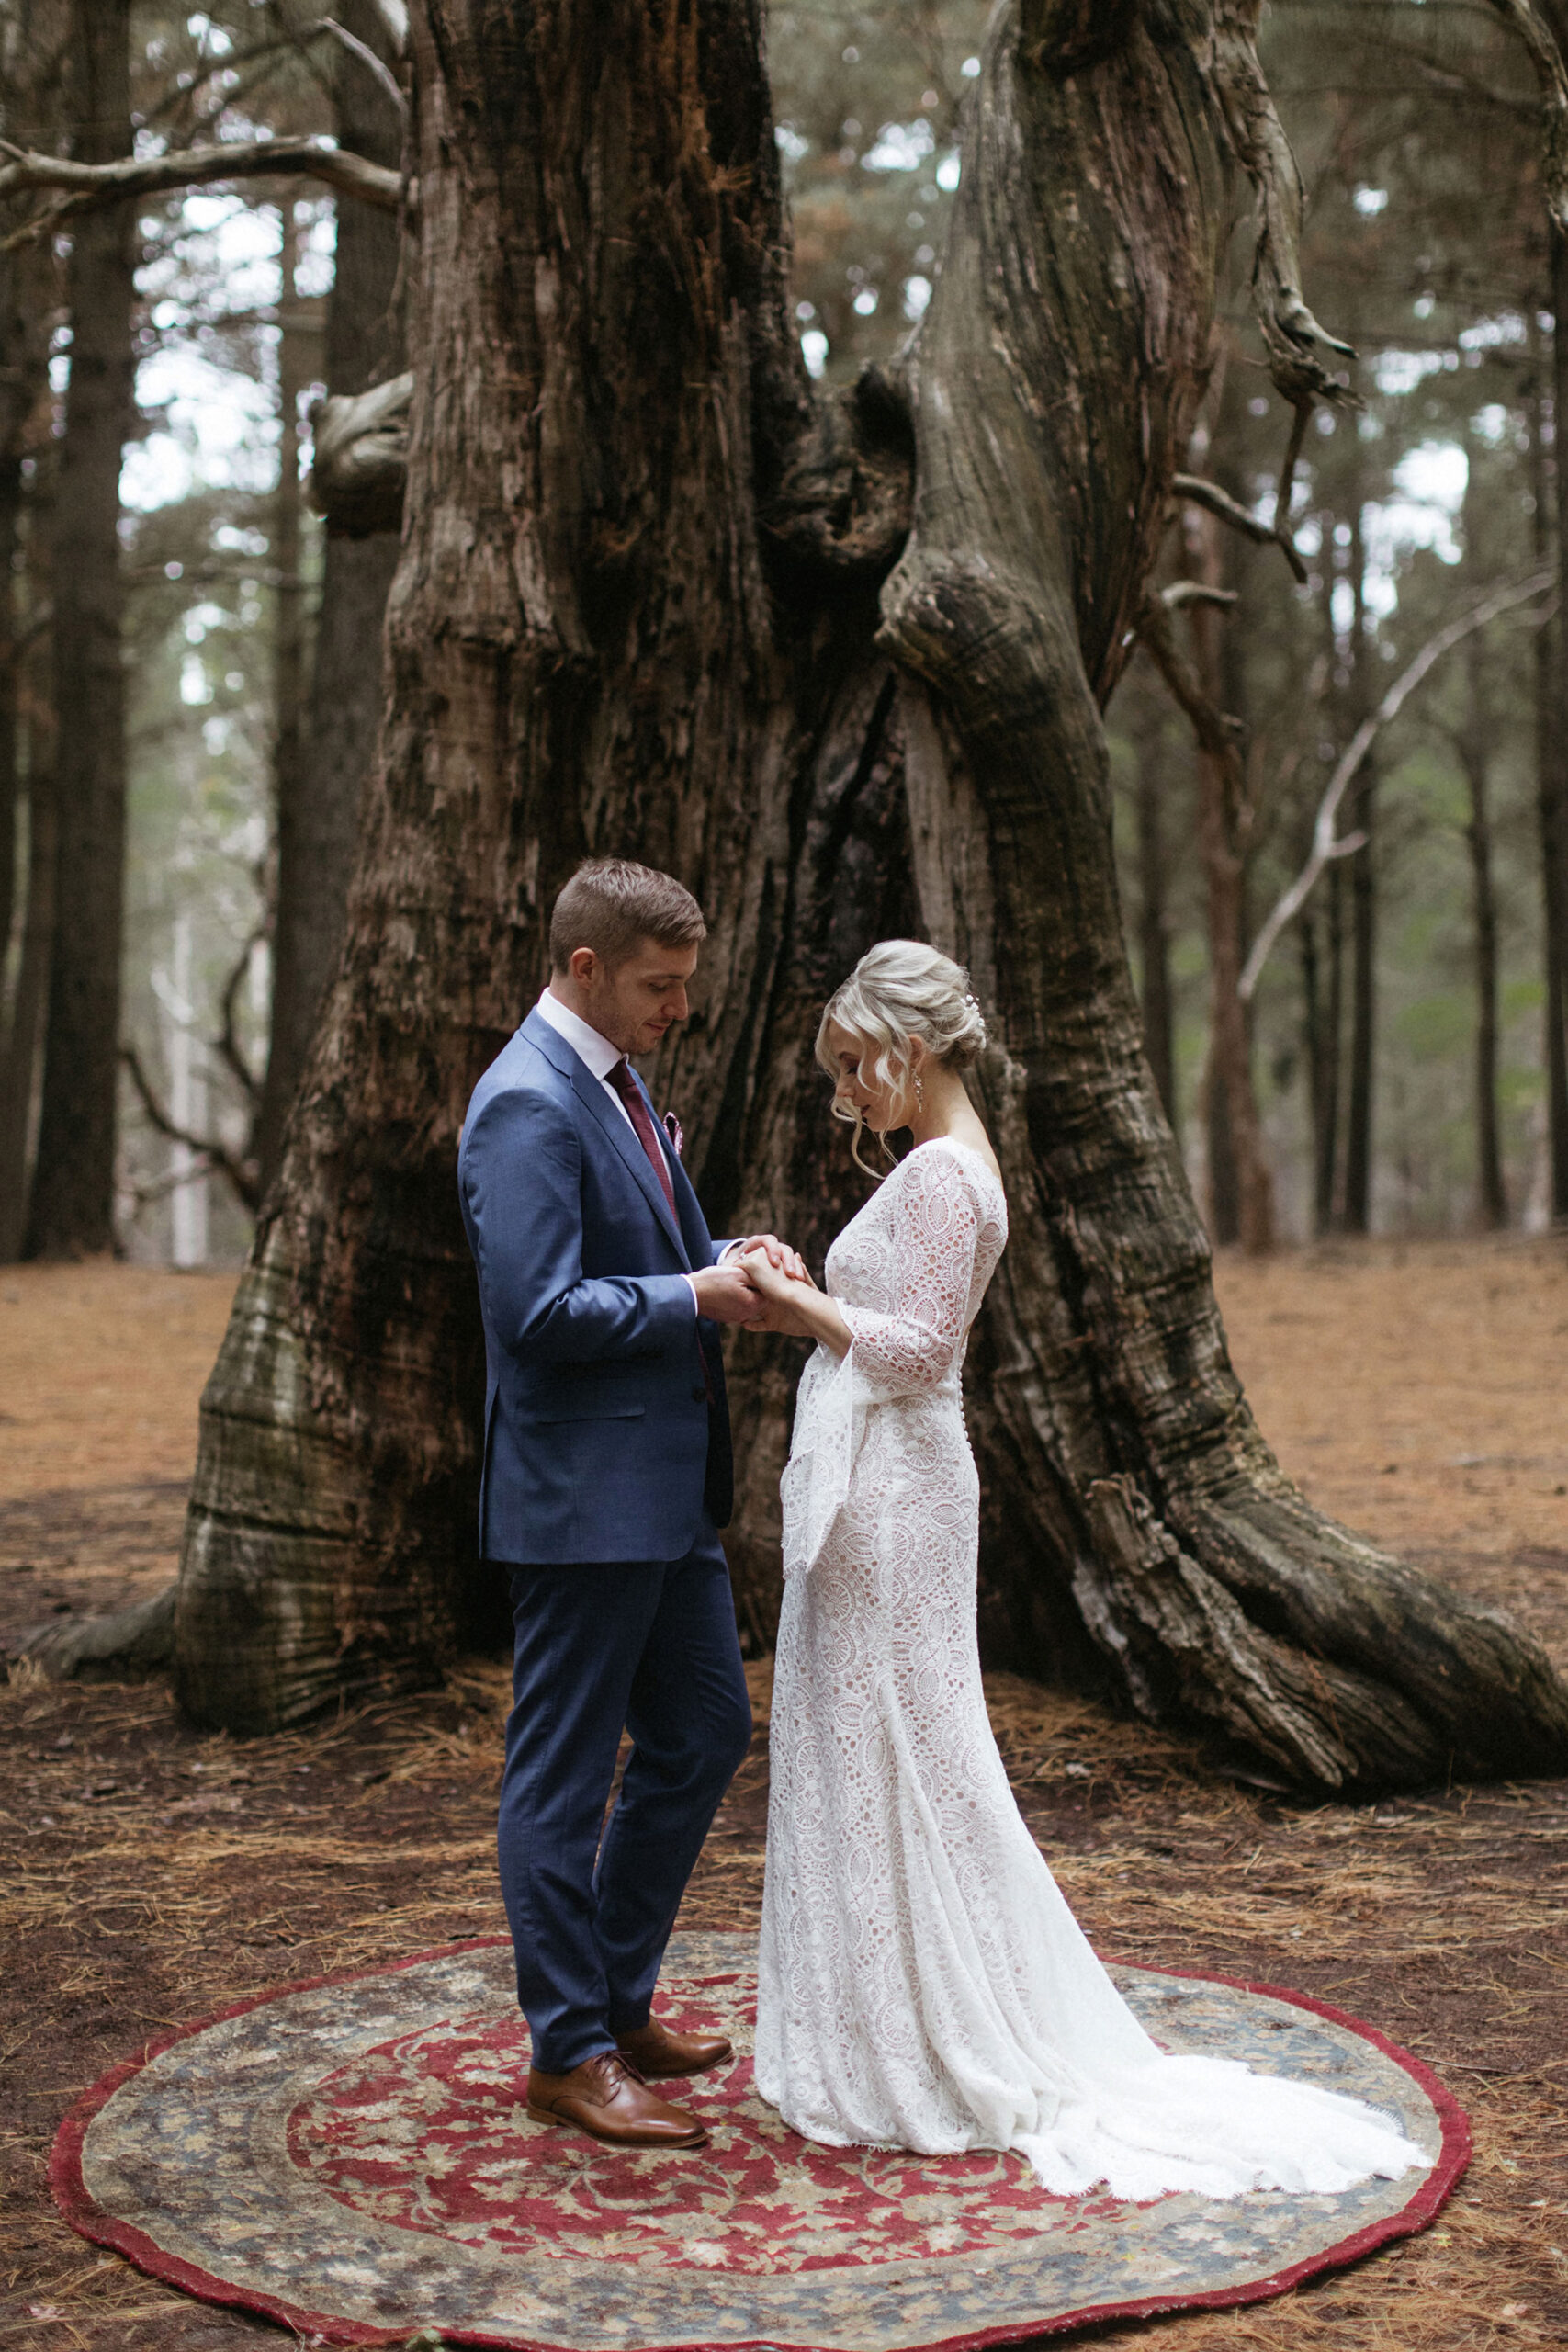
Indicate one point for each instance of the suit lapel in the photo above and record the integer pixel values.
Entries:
(618, 1130)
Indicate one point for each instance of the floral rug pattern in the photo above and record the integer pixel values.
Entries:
(355, 2158)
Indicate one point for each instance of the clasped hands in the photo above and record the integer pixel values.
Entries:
(757, 1286)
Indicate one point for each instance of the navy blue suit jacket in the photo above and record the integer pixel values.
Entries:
(601, 1440)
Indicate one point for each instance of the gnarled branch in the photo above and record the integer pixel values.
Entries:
(1291, 336)
(359, 459)
(846, 495)
(240, 1174)
(1220, 504)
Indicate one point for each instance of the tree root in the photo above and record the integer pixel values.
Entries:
(126, 1646)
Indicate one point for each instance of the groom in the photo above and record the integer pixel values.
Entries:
(607, 1474)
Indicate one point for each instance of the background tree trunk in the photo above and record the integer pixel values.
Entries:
(1240, 1180)
(318, 815)
(72, 1186)
(1473, 744)
(27, 288)
(635, 609)
(24, 1035)
(1356, 1212)
(1551, 501)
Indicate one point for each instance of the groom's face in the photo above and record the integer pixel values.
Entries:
(635, 1002)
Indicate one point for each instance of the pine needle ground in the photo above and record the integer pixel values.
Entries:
(154, 1874)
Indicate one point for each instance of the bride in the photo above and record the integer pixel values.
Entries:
(923, 1983)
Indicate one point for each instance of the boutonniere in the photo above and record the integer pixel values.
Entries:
(676, 1133)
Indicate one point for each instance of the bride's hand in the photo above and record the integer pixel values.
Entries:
(778, 1289)
(792, 1306)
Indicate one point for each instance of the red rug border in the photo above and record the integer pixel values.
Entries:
(88, 2219)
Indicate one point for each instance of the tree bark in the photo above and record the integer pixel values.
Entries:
(318, 801)
(1154, 909)
(73, 1187)
(636, 609)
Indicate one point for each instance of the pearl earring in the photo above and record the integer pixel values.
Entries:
(920, 1093)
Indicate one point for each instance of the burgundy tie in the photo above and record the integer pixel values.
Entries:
(626, 1087)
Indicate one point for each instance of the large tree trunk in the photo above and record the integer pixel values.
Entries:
(72, 1186)
(1154, 845)
(318, 801)
(635, 610)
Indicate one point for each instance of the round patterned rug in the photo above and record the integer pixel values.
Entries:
(353, 2157)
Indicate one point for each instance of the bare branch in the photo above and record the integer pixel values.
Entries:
(228, 1042)
(1218, 501)
(1284, 496)
(1546, 56)
(1182, 592)
(240, 1174)
(90, 185)
(1326, 847)
(367, 57)
(1218, 733)
(270, 53)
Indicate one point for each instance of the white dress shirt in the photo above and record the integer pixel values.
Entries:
(592, 1046)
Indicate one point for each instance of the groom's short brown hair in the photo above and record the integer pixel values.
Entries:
(610, 904)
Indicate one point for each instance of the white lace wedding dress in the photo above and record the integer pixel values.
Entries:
(923, 1983)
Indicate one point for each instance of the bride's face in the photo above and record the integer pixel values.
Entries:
(883, 1108)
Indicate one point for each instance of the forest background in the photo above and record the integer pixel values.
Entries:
(1400, 1032)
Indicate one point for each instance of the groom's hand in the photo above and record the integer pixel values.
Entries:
(778, 1253)
(724, 1293)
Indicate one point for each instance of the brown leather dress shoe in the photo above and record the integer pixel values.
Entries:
(608, 2098)
(656, 2051)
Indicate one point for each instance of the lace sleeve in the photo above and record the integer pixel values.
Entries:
(935, 1228)
(935, 1231)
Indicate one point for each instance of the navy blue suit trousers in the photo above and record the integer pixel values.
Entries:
(649, 1645)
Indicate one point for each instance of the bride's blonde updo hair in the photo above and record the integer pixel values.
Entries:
(899, 990)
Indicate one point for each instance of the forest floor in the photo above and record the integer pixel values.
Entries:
(155, 1875)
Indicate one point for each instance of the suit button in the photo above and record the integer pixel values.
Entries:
(699, 1395)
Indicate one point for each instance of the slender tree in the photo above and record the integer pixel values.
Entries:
(72, 1185)
(31, 47)
(1355, 1214)
(1552, 781)
(1473, 743)
(841, 663)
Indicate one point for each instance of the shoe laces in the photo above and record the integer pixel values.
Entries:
(612, 2065)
